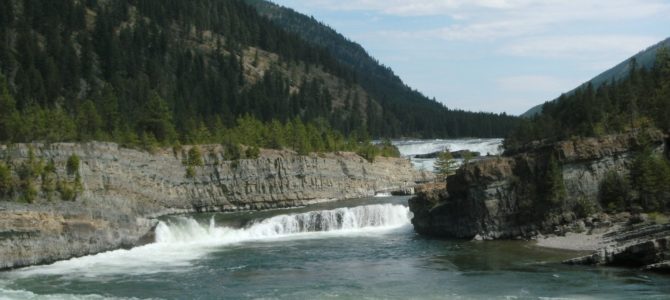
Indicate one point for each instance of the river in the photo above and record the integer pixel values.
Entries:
(352, 249)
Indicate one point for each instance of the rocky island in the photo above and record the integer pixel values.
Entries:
(549, 189)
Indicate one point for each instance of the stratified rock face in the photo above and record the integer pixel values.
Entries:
(646, 247)
(124, 188)
(503, 197)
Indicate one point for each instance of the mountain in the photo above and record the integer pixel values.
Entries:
(187, 71)
(406, 107)
(639, 100)
(644, 59)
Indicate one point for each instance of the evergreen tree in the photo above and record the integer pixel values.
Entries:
(445, 164)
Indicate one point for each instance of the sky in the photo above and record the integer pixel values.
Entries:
(495, 55)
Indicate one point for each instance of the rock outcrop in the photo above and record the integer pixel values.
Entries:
(512, 196)
(645, 247)
(124, 189)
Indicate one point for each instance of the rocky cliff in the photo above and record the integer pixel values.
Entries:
(524, 194)
(123, 189)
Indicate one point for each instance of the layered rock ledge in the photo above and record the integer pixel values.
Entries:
(506, 198)
(125, 189)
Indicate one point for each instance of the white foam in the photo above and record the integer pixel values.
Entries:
(180, 241)
(414, 147)
(410, 148)
(9, 294)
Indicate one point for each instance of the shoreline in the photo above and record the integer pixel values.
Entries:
(577, 241)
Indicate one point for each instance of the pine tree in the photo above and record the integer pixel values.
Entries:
(445, 164)
(8, 112)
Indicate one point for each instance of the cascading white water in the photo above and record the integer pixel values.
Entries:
(341, 220)
(182, 240)
(414, 147)
(410, 148)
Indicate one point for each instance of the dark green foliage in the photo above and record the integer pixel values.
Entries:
(69, 190)
(640, 100)
(150, 73)
(49, 177)
(445, 164)
(553, 187)
(615, 192)
(396, 109)
(252, 152)
(6, 180)
(9, 116)
(190, 172)
(584, 208)
(369, 152)
(387, 149)
(650, 176)
(89, 122)
(28, 191)
(648, 188)
(73, 165)
(232, 151)
(195, 157)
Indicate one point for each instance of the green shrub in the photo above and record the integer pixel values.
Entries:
(6, 180)
(72, 166)
(69, 190)
(614, 192)
(650, 176)
(195, 157)
(368, 151)
(49, 179)
(28, 191)
(553, 187)
(387, 149)
(232, 151)
(252, 152)
(445, 164)
(190, 172)
(584, 208)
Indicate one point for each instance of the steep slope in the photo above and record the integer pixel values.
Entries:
(409, 110)
(640, 100)
(165, 69)
(644, 59)
(186, 70)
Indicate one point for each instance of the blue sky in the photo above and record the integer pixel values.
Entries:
(495, 55)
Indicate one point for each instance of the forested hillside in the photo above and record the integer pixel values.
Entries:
(645, 59)
(640, 100)
(407, 111)
(171, 71)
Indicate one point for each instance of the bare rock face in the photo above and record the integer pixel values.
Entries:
(507, 197)
(124, 189)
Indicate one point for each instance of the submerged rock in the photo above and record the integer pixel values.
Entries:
(455, 154)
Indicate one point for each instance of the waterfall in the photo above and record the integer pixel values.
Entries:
(180, 241)
(341, 220)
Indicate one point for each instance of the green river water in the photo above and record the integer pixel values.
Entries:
(361, 249)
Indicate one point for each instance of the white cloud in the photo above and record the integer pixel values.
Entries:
(534, 83)
(496, 19)
(579, 45)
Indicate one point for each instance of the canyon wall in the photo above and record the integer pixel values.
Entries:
(123, 190)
